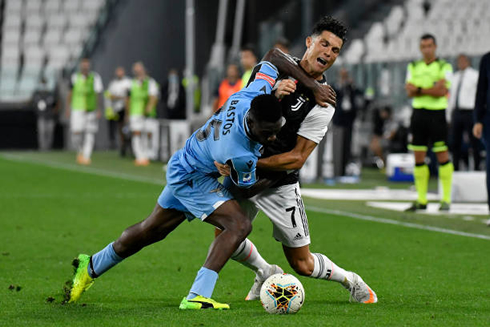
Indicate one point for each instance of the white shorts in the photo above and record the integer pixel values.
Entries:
(82, 121)
(151, 125)
(284, 207)
(137, 123)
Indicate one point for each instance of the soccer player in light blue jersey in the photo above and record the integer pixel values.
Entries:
(235, 135)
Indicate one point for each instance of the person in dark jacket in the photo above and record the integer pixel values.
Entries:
(481, 129)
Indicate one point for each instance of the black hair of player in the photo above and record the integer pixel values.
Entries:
(283, 41)
(330, 24)
(428, 36)
(251, 48)
(266, 108)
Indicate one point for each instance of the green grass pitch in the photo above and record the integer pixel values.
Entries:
(50, 211)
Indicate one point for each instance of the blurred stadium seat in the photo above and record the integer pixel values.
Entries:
(41, 36)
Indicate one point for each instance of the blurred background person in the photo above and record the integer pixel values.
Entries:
(152, 127)
(482, 114)
(173, 96)
(460, 112)
(427, 83)
(230, 84)
(349, 101)
(84, 110)
(114, 110)
(282, 44)
(141, 103)
(248, 60)
(46, 104)
(197, 90)
(378, 144)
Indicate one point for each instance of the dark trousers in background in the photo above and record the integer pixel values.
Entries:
(342, 139)
(486, 143)
(462, 123)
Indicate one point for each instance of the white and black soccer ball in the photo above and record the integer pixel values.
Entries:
(281, 294)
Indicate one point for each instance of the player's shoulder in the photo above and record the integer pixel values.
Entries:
(414, 63)
(443, 64)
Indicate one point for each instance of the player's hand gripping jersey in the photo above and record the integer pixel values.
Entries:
(225, 138)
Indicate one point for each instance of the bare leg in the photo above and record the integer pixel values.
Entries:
(235, 227)
(156, 227)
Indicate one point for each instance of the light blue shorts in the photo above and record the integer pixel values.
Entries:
(193, 193)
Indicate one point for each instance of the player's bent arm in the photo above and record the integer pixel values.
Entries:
(100, 104)
(286, 64)
(126, 108)
(294, 159)
(152, 101)
(438, 90)
(259, 186)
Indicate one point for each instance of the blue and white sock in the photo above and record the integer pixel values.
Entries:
(103, 261)
(203, 284)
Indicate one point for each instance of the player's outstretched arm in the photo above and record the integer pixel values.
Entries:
(324, 94)
(293, 159)
(259, 186)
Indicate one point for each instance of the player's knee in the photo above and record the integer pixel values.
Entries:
(244, 228)
(301, 266)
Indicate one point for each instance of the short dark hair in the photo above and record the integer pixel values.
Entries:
(251, 48)
(282, 41)
(266, 107)
(428, 36)
(328, 23)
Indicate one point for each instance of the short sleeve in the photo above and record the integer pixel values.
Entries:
(263, 78)
(73, 80)
(243, 171)
(98, 87)
(315, 124)
(152, 88)
(447, 74)
(408, 77)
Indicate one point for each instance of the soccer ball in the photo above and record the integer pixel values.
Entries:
(282, 293)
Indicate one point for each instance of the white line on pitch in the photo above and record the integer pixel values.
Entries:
(106, 173)
(83, 169)
(396, 222)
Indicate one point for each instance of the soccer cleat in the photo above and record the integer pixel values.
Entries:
(444, 206)
(416, 206)
(261, 276)
(360, 291)
(201, 302)
(85, 161)
(82, 280)
(141, 162)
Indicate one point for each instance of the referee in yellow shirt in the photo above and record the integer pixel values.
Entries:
(427, 83)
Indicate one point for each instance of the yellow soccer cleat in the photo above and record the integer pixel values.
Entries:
(81, 281)
(201, 302)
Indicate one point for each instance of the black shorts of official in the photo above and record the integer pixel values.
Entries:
(428, 127)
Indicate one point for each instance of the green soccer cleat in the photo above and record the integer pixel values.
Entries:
(201, 302)
(416, 206)
(81, 280)
(444, 206)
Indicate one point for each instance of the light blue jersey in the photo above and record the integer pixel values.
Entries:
(192, 185)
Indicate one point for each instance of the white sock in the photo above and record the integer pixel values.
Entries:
(76, 140)
(88, 145)
(152, 146)
(146, 145)
(248, 255)
(325, 269)
(136, 143)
